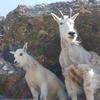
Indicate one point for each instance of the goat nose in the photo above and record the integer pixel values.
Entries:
(71, 33)
(15, 62)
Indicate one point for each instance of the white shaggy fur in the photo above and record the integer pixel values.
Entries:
(81, 76)
(40, 80)
(72, 52)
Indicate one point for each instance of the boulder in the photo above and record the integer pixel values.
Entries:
(12, 82)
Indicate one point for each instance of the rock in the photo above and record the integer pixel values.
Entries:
(2, 97)
(36, 26)
(2, 18)
(41, 9)
(12, 81)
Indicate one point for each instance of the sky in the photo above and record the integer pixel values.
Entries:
(8, 5)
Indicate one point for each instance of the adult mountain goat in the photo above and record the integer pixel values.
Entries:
(72, 53)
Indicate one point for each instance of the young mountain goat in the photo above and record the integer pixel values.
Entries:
(72, 53)
(40, 80)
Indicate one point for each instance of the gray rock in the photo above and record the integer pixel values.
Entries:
(12, 82)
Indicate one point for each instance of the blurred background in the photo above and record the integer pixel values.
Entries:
(30, 21)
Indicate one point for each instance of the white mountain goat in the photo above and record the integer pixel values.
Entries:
(40, 80)
(72, 53)
(79, 77)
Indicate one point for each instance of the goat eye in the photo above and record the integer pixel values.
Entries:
(21, 54)
(61, 23)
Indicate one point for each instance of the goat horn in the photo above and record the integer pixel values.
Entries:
(70, 14)
(62, 15)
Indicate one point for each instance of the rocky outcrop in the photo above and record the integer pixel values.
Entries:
(12, 82)
(41, 9)
(35, 26)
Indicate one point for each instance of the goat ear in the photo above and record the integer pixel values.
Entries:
(74, 16)
(12, 52)
(56, 18)
(25, 46)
